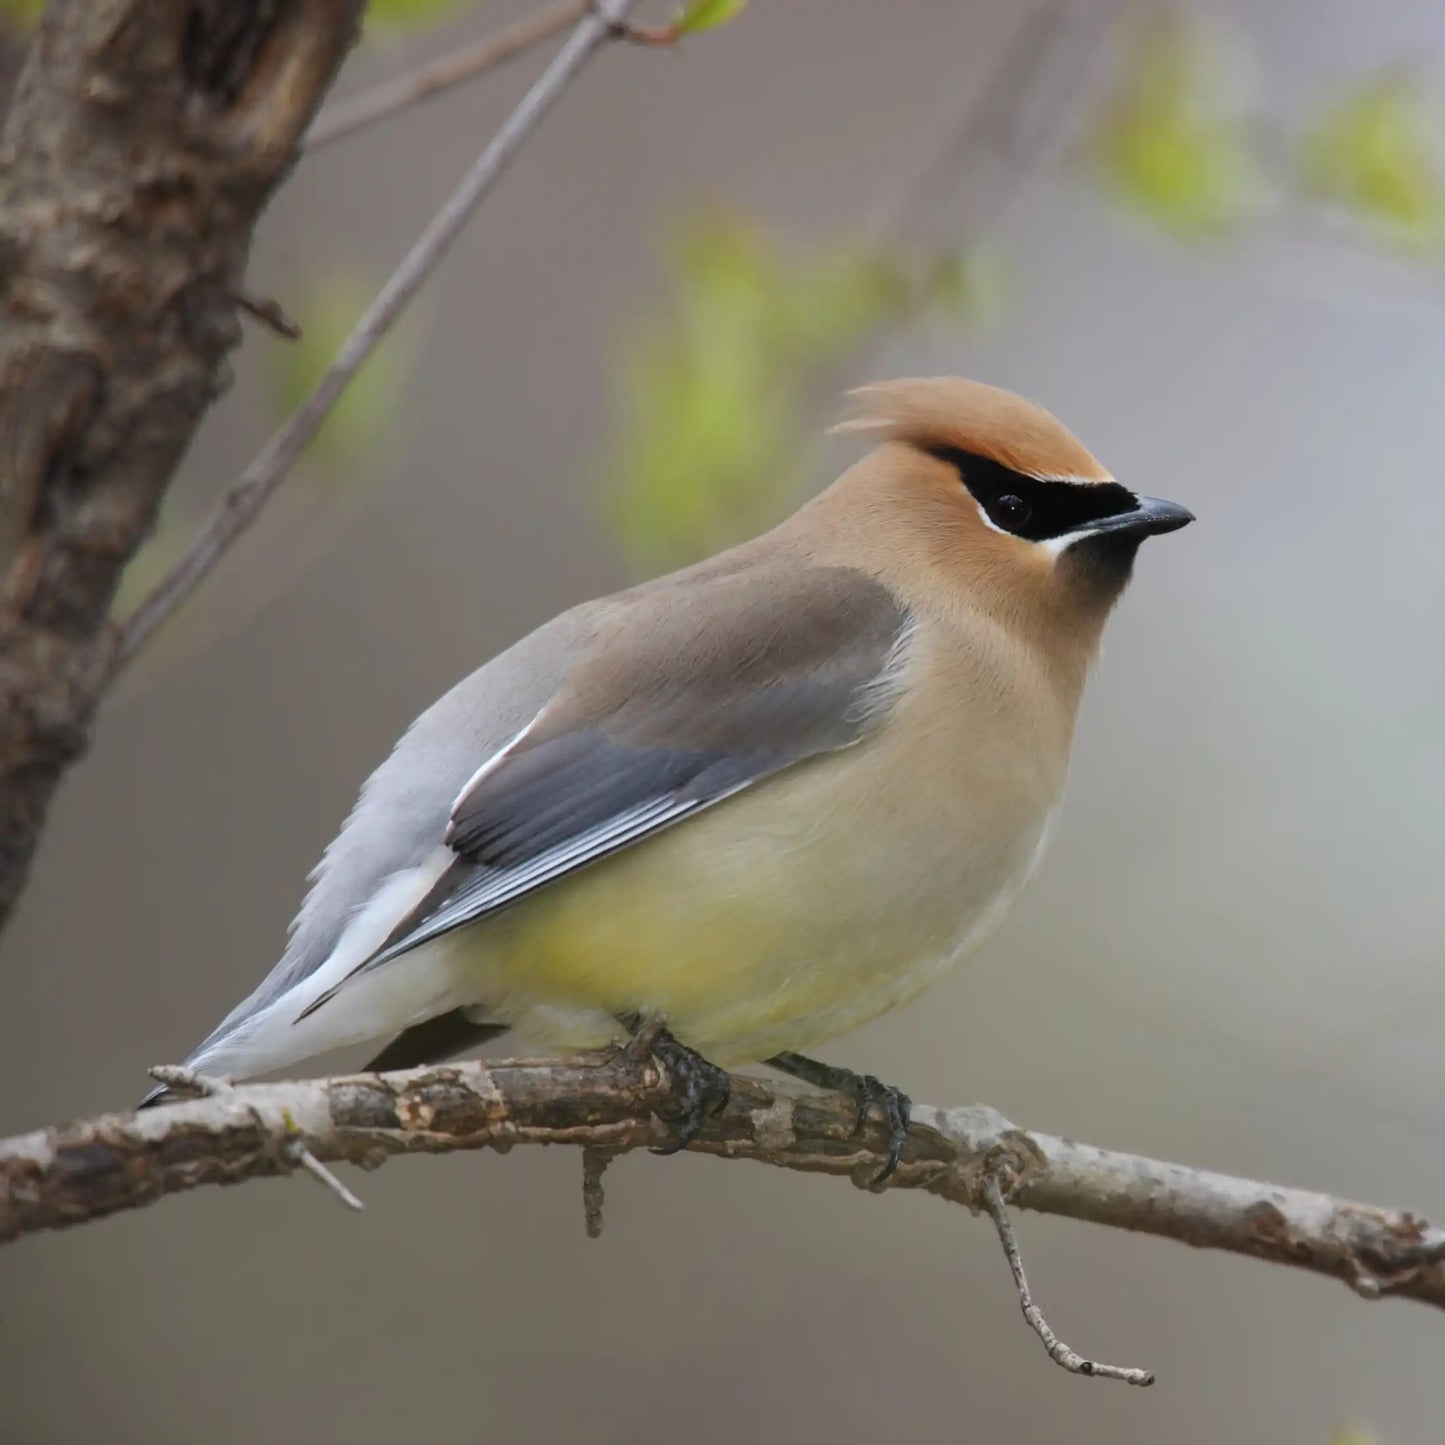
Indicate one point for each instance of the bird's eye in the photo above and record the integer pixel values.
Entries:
(1013, 511)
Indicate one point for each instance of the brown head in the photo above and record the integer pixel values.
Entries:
(996, 496)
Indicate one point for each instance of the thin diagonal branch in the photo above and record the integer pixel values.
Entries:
(60, 1177)
(347, 117)
(242, 504)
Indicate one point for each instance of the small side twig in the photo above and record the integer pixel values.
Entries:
(654, 37)
(594, 1166)
(269, 313)
(296, 1152)
(350, 116)
(1058, 1351)
(290, 1147)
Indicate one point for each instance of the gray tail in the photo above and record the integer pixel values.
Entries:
(432, 1042)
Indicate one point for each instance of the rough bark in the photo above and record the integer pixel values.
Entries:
(56, 1178)
(144, 139)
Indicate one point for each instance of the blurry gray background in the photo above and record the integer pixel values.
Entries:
(1231, 957)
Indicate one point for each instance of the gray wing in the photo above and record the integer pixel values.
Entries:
(683, 700)
(402, 813)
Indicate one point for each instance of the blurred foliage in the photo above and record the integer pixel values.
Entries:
(1172, 142)
(715, 392)
(706, 15)
(23, 14)
(719, 391)
(1375, 152)
(399, 16)
(1354, 1434)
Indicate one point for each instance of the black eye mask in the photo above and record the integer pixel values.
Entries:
(1032, 509)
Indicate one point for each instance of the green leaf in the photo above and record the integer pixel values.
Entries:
(1171, 143)
(1376, 154)
(706, 15)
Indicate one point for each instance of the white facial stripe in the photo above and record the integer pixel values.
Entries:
(1056, 546)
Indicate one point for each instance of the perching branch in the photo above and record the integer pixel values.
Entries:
(604, 20)
(385, 100)
(56, 1178)
(143, 142)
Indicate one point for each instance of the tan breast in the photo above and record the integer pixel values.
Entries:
(816, 900)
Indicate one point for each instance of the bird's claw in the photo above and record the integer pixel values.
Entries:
(896, 1108)
(700, 1090)
(865, 1090)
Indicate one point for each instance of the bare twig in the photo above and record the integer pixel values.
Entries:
(347, 117)
(594, 1166)
(653, 37)
(269, 313)
(1058, 1351)
(61, 1177)
(243, 502)
(295, 1151)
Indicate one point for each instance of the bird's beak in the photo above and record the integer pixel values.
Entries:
(1152, 516)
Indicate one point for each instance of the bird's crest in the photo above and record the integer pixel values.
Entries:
(950, 411)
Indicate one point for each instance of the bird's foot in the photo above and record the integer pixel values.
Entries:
(866, 1091)
(699, 1090)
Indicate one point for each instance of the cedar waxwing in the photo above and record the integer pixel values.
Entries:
(766, 798)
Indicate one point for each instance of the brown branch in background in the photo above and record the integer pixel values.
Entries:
(60, 1177)
(243, 502)
(144, 140)
(347, 117)
(984, 153)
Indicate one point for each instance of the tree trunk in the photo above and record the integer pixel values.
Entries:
(144, 139)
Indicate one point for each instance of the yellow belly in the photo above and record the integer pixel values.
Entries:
(772, 921)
